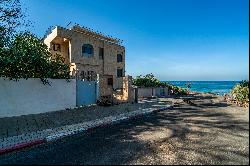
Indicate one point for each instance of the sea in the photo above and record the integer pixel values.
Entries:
(216, 87)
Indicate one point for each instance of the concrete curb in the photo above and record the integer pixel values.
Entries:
(101, 124)
(21, 146)
(51, 135)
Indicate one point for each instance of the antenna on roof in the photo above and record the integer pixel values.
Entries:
(68, 24)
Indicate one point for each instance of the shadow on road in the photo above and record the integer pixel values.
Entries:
(184, 135)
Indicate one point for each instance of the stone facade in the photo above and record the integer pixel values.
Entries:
(90, 53)
(126, 93)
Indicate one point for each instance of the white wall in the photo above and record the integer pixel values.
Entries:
(32, 96)
(149, 92)
(145, 92)
(160, 91)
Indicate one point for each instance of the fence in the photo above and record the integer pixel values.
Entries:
(31, 96)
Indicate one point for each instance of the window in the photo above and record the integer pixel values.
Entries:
(110, 81)
(87, 50)
(82, 75)
(119, 72)
(119, 57)
(87, 75)
(56, 47)
(101, 53)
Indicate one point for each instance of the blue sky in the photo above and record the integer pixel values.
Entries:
(173, 39)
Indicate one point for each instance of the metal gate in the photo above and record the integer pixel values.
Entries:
(86, 92)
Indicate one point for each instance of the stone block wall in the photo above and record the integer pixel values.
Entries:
(126, 93)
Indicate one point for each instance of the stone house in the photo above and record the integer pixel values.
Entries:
(91, 54)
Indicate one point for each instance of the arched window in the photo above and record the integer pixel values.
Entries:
(87, 50)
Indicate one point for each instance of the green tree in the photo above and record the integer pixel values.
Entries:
(28, 57)
(11, 17)
(22, 54)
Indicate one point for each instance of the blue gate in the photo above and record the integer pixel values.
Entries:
(86, 92)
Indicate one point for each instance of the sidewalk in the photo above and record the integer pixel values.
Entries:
(23, 131)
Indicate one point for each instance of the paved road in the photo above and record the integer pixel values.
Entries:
(205, 132)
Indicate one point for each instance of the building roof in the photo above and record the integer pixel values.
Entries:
(95, 34)
(86, 31)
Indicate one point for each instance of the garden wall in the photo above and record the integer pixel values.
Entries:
(144, 92)
(32, 96)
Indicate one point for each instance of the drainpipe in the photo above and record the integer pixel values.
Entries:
(103, 59)
(97, 87)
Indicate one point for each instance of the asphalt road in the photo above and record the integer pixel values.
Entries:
(203, 133)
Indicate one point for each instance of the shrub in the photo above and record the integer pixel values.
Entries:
(149, 80)
(240, 92)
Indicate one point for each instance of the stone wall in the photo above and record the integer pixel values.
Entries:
(126, 93)
(104, 88)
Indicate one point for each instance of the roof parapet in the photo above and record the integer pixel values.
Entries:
(87, 31)
(96, 34)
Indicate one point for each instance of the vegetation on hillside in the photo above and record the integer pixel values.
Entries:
(22, 54)
(240, 93)
(149, 80)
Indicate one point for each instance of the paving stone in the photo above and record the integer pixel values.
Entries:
(40, 123)
(79, 120)
(11, 128)
(22, 126)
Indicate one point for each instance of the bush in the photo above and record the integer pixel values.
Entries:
(149, 80)
(240, 92)
(177, 90)
(28, 57)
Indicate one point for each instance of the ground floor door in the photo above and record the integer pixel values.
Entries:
(86, 92)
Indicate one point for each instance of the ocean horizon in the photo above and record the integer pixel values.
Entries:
(217, 87)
